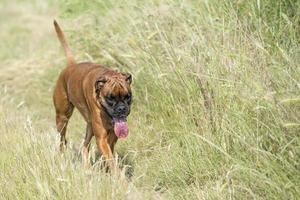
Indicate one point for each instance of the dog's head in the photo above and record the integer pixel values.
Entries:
(114, 95)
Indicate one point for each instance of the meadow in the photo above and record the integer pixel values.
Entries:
(216, 98)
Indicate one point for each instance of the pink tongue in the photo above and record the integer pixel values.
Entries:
(121, 128)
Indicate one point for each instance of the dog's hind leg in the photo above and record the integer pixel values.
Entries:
(64, 110)
(86, 145)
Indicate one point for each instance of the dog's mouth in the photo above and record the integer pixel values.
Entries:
(120, 127)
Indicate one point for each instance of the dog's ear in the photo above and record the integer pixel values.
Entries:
(128, 78)
(99, 84)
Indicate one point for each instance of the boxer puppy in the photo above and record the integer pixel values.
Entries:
(102, 96)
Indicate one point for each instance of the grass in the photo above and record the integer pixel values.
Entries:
(216, 98)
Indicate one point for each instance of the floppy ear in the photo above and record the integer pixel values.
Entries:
(99, 84)
(128, 78)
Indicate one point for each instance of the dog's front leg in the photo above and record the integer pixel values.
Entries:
(86, 146)
(101, 136)
(104, 147)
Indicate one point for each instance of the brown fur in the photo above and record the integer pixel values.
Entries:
(75, 87)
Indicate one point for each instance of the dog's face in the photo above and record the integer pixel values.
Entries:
(114, 94)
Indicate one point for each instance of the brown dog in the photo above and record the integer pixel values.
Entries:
(101, 95)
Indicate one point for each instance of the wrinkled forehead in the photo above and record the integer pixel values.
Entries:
(117, 87)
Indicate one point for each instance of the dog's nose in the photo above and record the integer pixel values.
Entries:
(121, 109)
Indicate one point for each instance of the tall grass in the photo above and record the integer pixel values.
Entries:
(216, 100)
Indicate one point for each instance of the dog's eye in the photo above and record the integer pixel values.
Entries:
(110, 98)
(127, 97)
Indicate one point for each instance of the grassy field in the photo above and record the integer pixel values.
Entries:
(216, 112)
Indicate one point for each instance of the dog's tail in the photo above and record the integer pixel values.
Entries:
(62, 39)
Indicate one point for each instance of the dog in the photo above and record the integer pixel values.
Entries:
(102, 96)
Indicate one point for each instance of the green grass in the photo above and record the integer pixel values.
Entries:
(216, 98)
